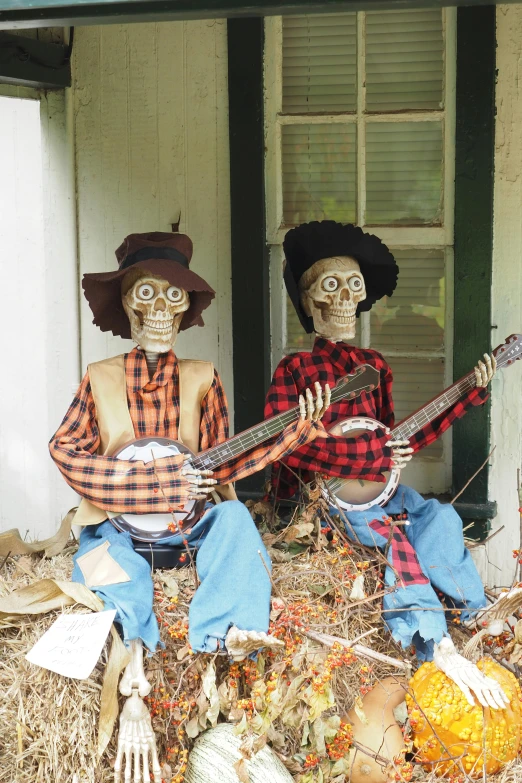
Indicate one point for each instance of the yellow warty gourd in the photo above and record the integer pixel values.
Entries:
(459, 730)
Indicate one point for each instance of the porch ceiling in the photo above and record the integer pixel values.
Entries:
(56, 13)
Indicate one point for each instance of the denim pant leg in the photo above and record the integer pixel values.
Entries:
(132, 599)
(413, 613)
(436, 535)
(235, 587)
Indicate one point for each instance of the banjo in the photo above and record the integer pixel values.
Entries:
(359, 494)
(157, 528)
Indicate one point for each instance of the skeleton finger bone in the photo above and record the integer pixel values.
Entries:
(318, 401)
(309, 405)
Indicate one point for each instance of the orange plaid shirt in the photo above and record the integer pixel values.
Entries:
(122, 486)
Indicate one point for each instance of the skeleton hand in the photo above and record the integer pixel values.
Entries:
(485, 372)
(468, 677)
(314, 410)
(200, 485)
(402, 453)
(135, 741)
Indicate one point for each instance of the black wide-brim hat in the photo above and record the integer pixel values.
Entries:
(311, 242)
(158, 253)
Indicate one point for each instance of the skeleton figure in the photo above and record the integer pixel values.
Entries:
(329, 289)
(152, 296)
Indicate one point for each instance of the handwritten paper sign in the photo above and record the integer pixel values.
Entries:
(73, 643)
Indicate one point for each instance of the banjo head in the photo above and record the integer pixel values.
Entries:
(360, 494)
(154, 528)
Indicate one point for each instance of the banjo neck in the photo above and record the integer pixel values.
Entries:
(429, 412)
(364, 378)
(505, 354)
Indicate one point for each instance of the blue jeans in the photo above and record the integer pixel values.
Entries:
(234, 590)
(414, 613)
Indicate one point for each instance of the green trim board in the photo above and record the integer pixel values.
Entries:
(250, 263)
(474, 172)
(64, 13)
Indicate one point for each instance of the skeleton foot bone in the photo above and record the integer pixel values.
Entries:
(240, 644)
(135, 742)
(468, 677)
(136, 738)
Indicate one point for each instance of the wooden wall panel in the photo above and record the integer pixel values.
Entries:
(151, 132)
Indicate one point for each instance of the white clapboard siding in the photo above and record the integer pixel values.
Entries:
(404, 60)
(152, 145)
(319, 63)
(38, 319)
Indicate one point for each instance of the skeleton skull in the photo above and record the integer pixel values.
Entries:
(155, 309)
(330, 292)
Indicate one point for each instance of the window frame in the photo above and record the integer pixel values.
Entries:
(430, 473)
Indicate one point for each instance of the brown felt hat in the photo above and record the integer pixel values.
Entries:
(158, 253)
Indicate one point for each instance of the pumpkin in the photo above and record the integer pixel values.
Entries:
(381, 733)
(216, 751)
(460, 730)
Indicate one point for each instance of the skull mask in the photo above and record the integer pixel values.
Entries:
(330, 292)
(154, 308)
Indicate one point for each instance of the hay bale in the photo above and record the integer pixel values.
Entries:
(48, 723)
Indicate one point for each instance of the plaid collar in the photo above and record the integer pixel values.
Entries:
(339, 354)
(138, 373)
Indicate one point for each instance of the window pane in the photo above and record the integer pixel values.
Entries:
(413, 318)
(319, 63)
(416, 382)
(404, 173)
(404, 60)
(318, 173)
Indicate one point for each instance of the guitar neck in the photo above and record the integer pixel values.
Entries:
(428, 413)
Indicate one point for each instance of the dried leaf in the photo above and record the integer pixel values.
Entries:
(166, 771)
(242, 726)
(183, 652)
(208, 682)
(341, 767)
(319, 589)
(358, 593)
(318, 701)
(192, 728)
(306, 733)
(242, 771)
(359, 711)
(298, 531)
(259, 743)
(170, 585)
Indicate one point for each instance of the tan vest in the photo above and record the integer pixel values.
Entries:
(109, 391)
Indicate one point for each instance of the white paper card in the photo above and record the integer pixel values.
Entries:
(73, 643)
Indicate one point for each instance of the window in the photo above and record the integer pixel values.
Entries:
(360, 128)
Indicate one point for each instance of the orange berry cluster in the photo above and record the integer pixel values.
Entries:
(178, 631)
(180, 757)
(311, 761)
(338, 656)
(341, 743)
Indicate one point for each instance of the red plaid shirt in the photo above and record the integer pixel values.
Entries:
(118, 485)
(365, 456)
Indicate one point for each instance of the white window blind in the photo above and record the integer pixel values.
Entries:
(360, 116)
